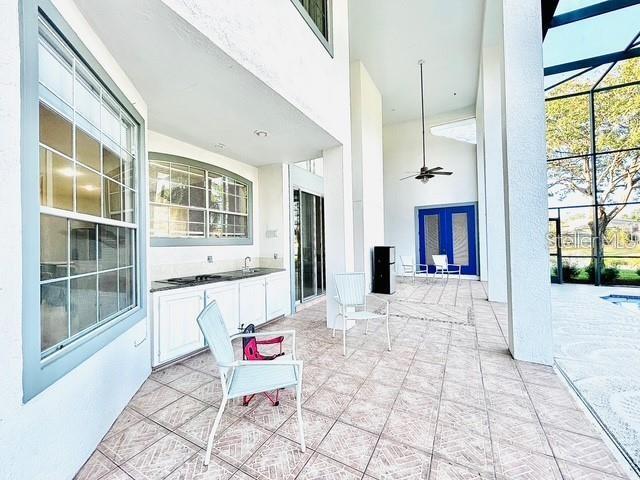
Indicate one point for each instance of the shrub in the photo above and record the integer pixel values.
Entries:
(607, 274)
(569, 271)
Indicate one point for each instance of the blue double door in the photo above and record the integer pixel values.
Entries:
(449, 231)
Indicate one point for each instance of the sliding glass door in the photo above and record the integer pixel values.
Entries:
(308, 245)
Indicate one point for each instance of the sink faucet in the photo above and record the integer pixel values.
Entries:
(245, 268)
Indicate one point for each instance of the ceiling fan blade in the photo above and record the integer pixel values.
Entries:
(441, 173)
(434, 169)
(407, 178)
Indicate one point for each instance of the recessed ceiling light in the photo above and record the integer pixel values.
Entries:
(220, 145)
(260, 133)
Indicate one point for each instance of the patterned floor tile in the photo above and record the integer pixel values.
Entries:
(378, 393)
(198, 428)
(171, 373)
(147, 387)
(571, 471)
(512, 405)
(366, 415)
(203, 362)
(210, 392)
(278, 459)
(586, 451)
(566, 419)
(417, 402)
(238, 442)
(509, 386)
(316, 427)
(557, 396)
(386, 376)
(417, 431)
(349, 445)
(442, 469)
(345, 384)
(127, 418)
(97, 466)
(393, 460)
(270, 417)
(320, 467)
(516, 431)
(327, 402)
(194, 469)
(459, 415)
(154, 401)
(189, 382)
(464, 447)
(116, 474)
(178, 412)
(160, 459)
(515, 463)
(121, 446)
(462, 393)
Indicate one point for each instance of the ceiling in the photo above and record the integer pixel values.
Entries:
(195, 92)
(389, 37)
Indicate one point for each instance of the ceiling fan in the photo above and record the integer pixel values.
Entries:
(425, 174)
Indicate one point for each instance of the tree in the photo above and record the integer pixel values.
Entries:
(616, 130)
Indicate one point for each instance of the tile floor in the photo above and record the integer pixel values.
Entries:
(447, 402)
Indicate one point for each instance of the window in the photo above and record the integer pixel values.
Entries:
(314, 166)
(88, 151)
(197, 202)
(317, 15)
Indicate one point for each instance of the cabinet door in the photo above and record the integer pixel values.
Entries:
(178, 331)
(228, 302)
(277, 295)
(252, 302)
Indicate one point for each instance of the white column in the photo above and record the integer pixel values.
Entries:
(480, 169)
(494, 172)
(338, 219)
(525, 186)
(367, 163)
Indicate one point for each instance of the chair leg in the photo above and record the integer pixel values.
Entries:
(388, 336)
(303, 446)
(344, 336)
(213, 431)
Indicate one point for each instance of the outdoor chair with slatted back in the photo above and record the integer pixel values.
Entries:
(240, 378)
(352, 303)
(409, 267)
(443, 266)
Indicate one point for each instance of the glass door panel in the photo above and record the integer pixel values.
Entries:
(308, 224)
(308, 245)
(460, 238)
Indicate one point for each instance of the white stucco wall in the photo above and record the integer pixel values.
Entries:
(167, 262)
(283, 52)
(367, 164)
(402, 156)
(52, 435)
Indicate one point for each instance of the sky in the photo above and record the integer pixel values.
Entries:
(598, 35)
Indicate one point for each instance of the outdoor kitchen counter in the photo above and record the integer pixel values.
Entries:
(161, 285)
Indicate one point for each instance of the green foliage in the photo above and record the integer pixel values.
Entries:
(607, 274)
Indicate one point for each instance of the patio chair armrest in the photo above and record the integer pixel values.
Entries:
(455, 265)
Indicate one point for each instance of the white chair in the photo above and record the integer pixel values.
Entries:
(409, 267)
(443, 266)
(242, 377)
(352, 304)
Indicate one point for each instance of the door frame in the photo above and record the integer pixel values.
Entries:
(416, 228)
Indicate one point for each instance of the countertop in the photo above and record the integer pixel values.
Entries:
(161, 285)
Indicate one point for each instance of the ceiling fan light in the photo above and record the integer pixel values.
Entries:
(424, 179)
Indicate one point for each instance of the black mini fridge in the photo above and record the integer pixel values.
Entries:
(384, 270)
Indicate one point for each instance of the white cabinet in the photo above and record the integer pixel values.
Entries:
(226, 296)
(177, 332)
(277, 295)
(252, 301)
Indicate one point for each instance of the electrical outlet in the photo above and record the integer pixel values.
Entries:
(209, 258)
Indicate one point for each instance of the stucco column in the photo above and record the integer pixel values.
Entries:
(525, 186)
(494, 172)
(338, 220)
(367, 163)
